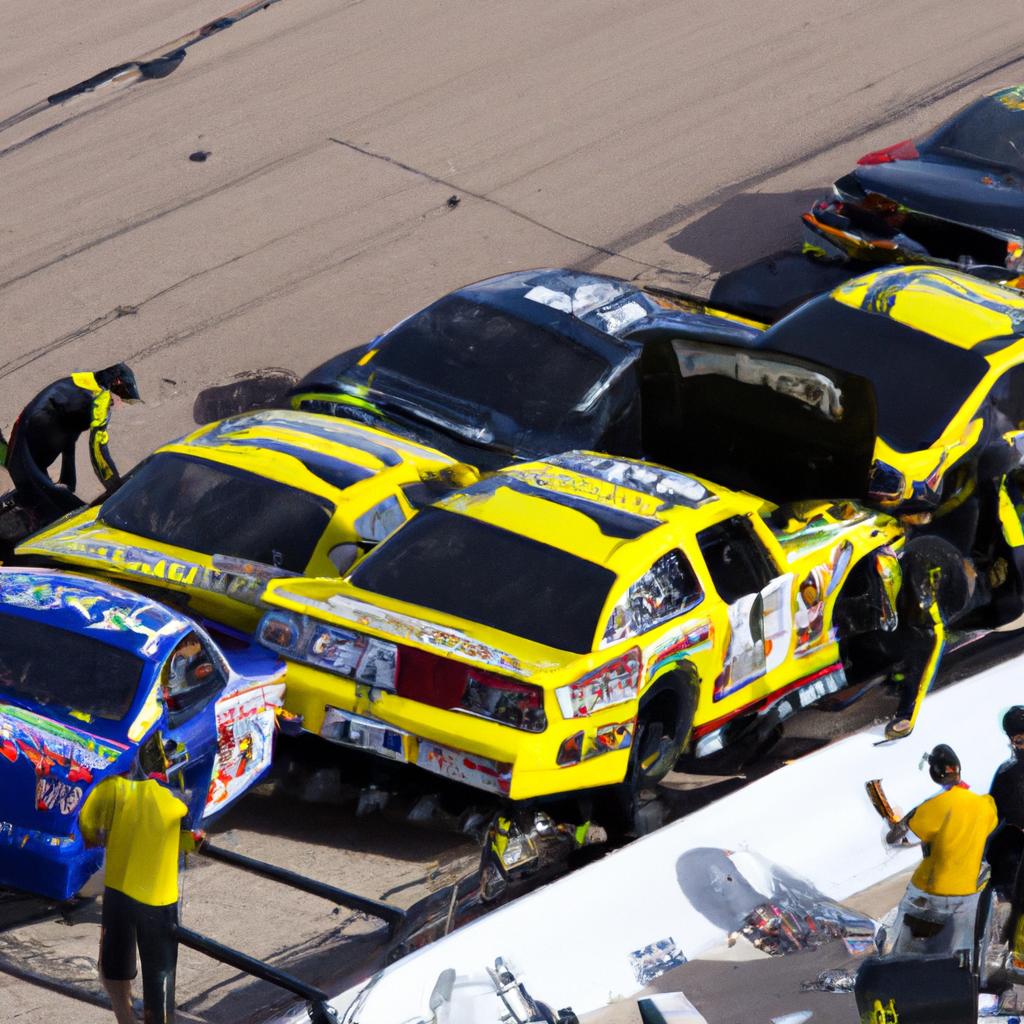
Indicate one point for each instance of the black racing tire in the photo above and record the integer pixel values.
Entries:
(865, 647)
(922, 556)
(664, 725)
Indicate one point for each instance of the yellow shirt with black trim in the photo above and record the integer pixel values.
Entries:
(955, 825)
(139, 822)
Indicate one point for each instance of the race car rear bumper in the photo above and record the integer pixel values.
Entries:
(457, 745)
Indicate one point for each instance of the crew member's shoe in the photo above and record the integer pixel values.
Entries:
(898, 728)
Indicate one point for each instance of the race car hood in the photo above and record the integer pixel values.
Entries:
(755, 420)
(48, 767)
(963, 193)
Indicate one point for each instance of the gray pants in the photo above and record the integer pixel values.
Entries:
(943, 924)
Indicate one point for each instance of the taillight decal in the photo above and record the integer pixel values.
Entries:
(616, 682)
(583, 745)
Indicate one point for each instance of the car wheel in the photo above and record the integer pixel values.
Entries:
(664, 726)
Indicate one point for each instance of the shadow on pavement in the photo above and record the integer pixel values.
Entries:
(766, 223)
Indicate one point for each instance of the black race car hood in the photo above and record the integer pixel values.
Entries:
(961, 192)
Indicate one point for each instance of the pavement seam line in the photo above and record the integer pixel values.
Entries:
(482, 197)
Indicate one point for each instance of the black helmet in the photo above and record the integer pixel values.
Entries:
(943, 764)
(119, 379)
(1013, 721)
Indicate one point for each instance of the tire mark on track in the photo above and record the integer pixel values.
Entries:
(12, 365)
(685, 211)
(160, 212)
(286, 287)
(27, 358)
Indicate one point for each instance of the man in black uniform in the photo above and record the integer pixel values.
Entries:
(1006, 845)
(49, 427)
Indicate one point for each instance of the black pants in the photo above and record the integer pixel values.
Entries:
(37, 491)
(127, 924)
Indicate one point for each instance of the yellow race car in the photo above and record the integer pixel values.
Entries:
(206, 519)
(944, 354)
(579, 622)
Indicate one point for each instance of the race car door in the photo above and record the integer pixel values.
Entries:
(758, 598)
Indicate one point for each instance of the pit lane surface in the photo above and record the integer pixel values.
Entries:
(667, 141)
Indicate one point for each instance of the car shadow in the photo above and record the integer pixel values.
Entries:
(763, 222)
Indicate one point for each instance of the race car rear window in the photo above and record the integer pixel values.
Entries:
(68, 671)
(989, 131)
(479, 572)
(488, 358)
(919, 381)
(219, 510)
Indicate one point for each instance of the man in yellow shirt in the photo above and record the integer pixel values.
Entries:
(138, 820)
(936, 914)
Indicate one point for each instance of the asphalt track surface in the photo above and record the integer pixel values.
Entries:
(662, 140)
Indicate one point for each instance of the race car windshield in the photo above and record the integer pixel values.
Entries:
(45, 665)
(482, 366)
(219, 510)
(484, 574)
(919, 381)
(990, 131)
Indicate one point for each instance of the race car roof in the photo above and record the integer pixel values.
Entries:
(552, 294)
(340, 452)
(952, 307)
(102, 611)
(585, 503)
(923, 336)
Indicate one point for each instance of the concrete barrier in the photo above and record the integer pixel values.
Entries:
(575, 942)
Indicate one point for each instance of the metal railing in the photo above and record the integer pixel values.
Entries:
(317, 1005)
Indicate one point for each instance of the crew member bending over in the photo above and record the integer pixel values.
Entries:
(49, 427)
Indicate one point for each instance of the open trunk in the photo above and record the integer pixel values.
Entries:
(779, 427)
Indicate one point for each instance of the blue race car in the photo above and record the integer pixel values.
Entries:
(88, 672)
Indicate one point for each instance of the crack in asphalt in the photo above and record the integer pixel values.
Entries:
(157, 64)
(598, 253)
(684, 211)
(484, 198)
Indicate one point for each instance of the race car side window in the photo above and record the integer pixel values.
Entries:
(736, 559)
(669, 588)
(189, 678)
